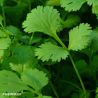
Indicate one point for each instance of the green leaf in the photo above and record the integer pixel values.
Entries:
(49, 51)
(72, 5)
(9, 82)
(94, 64)
(4, 43)
(1, 2)
(35, 78)
(41, 21)
(82, 66)
(1, 20)
(79, 37)
(53, 2)
(6, 96)
(27, 95)
(92, 2)
(40, 96)
(96, 93)
(94, 44)
(22, 54)
(95, 10)
(46, 97)
(71, 21)
(3, 34)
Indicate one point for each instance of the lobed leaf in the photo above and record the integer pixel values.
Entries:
(79, 37)
(92, 2)
(49, 51)
(72, 5)
(9, 82)
(34, 78)
(43, 19)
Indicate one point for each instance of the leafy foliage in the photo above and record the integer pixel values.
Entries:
(94, 2)
(37, 82)
(9, 82)
(79, 37)
(53, 2)
(48, 23)
(49, 48)
(72, 5)
(49, 51)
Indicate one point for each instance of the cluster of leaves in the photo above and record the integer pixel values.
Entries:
(41, 41)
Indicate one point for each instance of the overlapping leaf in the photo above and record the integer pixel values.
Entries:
(9, 82)
(53, 2)
(82, 66)
(72, 5)
(71, 21)
(35, 78)
(22, 54)
(79, 37)
(95, 40)
(43, 19)
(49, 51)
(4, 43)
(92, 2)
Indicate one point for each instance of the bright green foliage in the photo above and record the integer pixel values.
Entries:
(9, 82)
(79, 37)
(2, 96)
(95, 9)
(95, 40)
(96, 93)
(4, 43)
(49, 51)
(92, 2)
(1, 20)
(1, 2)
(41, 21)
(35, 78)
(58, 57)
(72, 5)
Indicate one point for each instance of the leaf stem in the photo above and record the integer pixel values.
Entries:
(53, 88)
(70, 83)
(29, 5)
(78, 75)
(3, 14)
(30, 41)
(72, 61)
(60, 42)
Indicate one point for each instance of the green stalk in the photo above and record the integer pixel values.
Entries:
(30, 41)
(72, 84)
(78, 75)
(54, 91)
(3, 14)
(73, 63)
(29, 5)
(60, 42)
